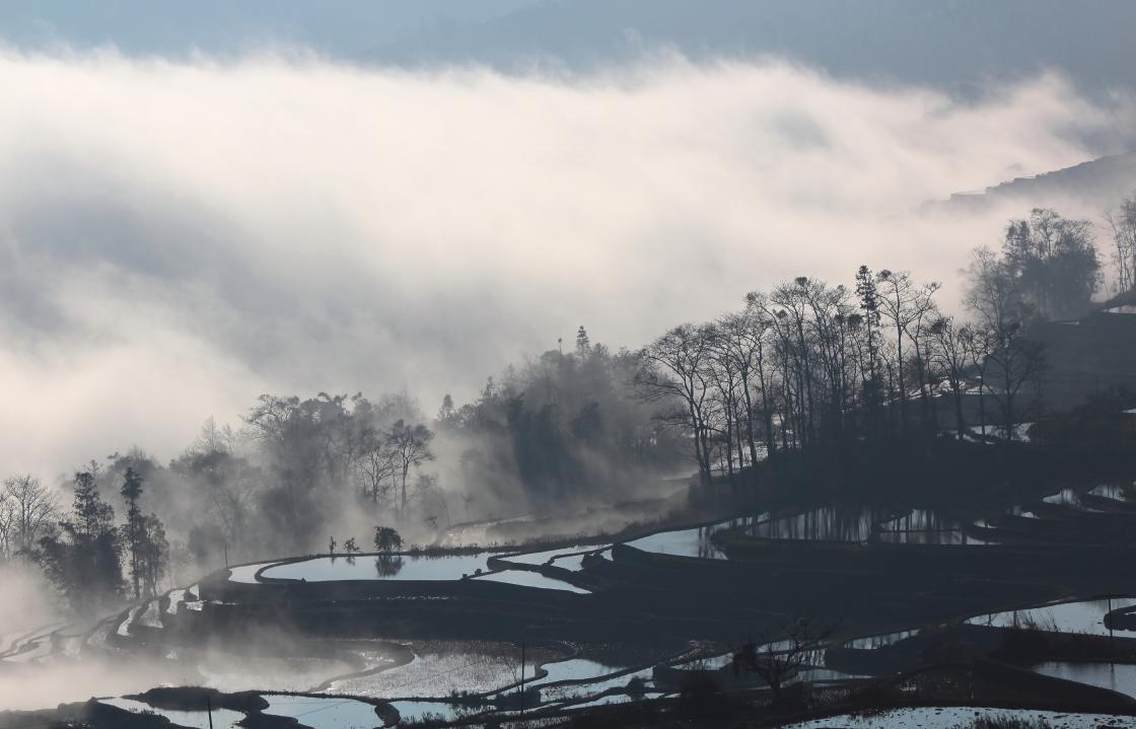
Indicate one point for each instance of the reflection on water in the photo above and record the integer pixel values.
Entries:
(1114, 676)
(411, 711)
(931, 537)
(935, 717)
(872, 642)
(176, 597)
(579, 691)
(1117, 492)
(694, 542)
(828, 523)
(574, 669)
(222, 718)
(246, 573)
(617, 699)
(525, 578)
(575, 562)
(920, 520)
(1064, 497)
(1086, 616)
(324, 712)
(387, 565)
(681, 543)
(548, 555)
(711, 663)
(413, 567)
(569, 558)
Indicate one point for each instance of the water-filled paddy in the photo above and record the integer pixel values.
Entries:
(575, 562)
(151, 616)
(222, 718)
(525, 578)
(547, 556)
(611, 699)
(1113, 676)
(872, 642)
(1114, 492)
(383, 567)
(440, 668)
(411, 711)
(953, 537)
(824, 524)
(591, 688)
(1086, 616)
(176, 598)
(682, 543)
(568, 558)
(324, 712)
(246, 573)
(575, 669)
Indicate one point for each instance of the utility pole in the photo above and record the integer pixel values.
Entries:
(522, 678)
(209, 708)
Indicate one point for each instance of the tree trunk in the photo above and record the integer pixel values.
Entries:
(960, 423)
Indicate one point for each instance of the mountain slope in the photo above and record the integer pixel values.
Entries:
(1099, 184)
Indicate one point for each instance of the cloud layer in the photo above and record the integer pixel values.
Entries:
(177, 237)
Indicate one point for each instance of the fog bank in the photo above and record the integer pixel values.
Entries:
(176, 238)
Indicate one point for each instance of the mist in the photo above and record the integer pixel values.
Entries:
(178, 237)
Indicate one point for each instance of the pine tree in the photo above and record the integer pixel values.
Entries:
(583, 343)
(135, 527)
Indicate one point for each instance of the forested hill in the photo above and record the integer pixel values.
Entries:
(1100, 183)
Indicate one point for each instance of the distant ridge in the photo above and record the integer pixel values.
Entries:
(1101, 182)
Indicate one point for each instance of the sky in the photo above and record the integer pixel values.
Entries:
(182, 232)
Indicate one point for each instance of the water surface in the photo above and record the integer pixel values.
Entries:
(222, 718)
(1113, 676)
(324, 712)
(525, 578)
(370, 567)
(246, 573)
(1086, 616)
(410, 711)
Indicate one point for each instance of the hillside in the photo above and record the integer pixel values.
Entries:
(1098, 184)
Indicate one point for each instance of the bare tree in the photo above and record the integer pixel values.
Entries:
(797, 644)
(952, 355)
(1122, 221)
(28, 511)
(977, 344)
(722, 371)
(758, 348)
(797, 350)
(907, 306)
(1054, 263)
(675, 366)
(1014, 361)
(376, 465)
(410, 446)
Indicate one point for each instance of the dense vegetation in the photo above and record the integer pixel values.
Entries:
(803, 367)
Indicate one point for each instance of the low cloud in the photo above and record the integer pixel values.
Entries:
(176, 238)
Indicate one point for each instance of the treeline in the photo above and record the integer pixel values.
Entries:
(566, 425)
(808, 365)
(302, 473)
(797, 369)
(92, 560)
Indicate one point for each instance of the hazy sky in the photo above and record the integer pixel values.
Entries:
(178, 236)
